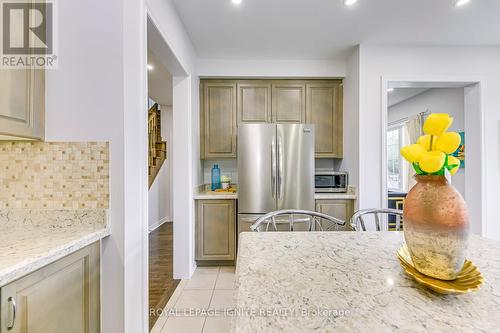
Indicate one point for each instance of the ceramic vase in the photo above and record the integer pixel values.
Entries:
(436, 227)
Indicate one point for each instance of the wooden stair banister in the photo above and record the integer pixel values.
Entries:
(157, 150)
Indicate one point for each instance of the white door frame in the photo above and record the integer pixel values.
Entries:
(182, 147)
(474, 100)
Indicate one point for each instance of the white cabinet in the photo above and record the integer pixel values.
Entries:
(22, 103)
(59, 298)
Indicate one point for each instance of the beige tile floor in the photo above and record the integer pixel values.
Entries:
(209, 288)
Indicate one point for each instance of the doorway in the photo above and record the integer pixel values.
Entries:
(163, 71)
(405, 106)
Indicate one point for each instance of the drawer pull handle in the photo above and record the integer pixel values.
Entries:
(10, 300)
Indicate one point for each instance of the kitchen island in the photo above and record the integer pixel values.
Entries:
(352, 282)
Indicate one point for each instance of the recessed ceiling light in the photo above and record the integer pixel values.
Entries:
(461, 3)
(236, 2)
(390, 89)
(150, 67)
(350, 2)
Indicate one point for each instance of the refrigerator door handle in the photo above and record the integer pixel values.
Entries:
(273, 167)
(280, 167)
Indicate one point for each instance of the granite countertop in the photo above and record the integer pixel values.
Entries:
(31, 239)
(356, 277)
(211, 195)
(330, 196)
(203, 192)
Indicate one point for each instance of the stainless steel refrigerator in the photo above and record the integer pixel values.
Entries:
(275, 169)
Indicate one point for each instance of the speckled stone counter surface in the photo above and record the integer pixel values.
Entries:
(333, 196)
(356, 282)
(203, 192)
(31, 239)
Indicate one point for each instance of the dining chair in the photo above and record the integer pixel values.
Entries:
(358, 221)
(296, 220)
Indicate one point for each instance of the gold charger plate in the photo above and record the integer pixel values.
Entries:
(468, 280)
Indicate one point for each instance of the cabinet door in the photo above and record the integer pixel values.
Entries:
(215, 230)
(324, 110)
(59, 298)
(339, 208)
(289, 102)
(22, 103)
(254, 102)
(219, 119)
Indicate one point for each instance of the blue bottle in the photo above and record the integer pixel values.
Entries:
(215, 177)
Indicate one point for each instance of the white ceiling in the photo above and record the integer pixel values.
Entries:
(399, 95)
(159, 81)
(323, 29)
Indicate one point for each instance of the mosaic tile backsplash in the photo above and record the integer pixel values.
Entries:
(54, 175)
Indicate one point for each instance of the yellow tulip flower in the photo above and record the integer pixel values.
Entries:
(412, 152)
(431, 161)
(451, 161)
(437, 123)
(425, 142)
(448, 142)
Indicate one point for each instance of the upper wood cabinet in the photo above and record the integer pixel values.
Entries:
(218, 125)
(22, 103)
(289, 102)
(254, 102)
(324, 110)
(59, 298)
(227, 103)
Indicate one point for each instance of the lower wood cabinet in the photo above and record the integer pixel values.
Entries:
(215, 230)
(340, 208)
(59, 298)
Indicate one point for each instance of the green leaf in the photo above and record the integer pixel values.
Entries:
(417, 169)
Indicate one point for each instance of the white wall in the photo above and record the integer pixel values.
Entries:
(160, 193)
(437, 100)
(379, 61)
(85, 102)
(350, 161)
(270, 68)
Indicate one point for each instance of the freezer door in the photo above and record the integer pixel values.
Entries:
(256, 168)
(295, 166)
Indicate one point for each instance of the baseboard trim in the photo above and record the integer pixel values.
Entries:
(159, 223)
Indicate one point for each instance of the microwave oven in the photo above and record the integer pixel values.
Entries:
(330, 182)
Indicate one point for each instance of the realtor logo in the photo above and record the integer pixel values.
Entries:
(28, 34)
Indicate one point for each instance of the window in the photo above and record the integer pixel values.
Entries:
(396, 166)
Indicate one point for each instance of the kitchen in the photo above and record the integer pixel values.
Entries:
(73, 160)
(251, 127)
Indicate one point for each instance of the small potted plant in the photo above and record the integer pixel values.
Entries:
(436, 221)
(225, 181)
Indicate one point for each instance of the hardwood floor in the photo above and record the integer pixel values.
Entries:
(161, 282)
